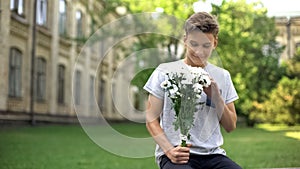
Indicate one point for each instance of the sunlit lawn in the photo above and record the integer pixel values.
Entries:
(68, 147)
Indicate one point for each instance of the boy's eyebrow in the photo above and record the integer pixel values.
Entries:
(198, 42)
(193, 41)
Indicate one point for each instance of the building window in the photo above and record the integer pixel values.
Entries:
(101, 95)
(40, 85)
(77, 87)
(92, 92)
(62, 17)
(17, 6)
(79, 23)
(61, 84)
(41, 12)
(15, 73)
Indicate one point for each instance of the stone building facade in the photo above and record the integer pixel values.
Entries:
(57, 69)
(289, 34)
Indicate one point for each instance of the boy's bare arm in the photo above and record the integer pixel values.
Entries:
(178, 154)
(228, 113)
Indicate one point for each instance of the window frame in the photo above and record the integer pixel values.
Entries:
(41, 79)
(101, 95)
(15, 73)
(92, 92)
(42, 12)
(62, 27)
(79, 24)
(17, 7)
(77, 92)
(61, 79)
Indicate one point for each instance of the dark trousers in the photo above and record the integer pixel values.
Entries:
(214, 161)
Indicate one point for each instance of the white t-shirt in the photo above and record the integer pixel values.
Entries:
(206, 137)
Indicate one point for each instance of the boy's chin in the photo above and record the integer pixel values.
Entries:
(200, 63)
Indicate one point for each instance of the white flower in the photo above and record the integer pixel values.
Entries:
(173, 89)
(178, 94)
(198, 91)
(183, 137)
(185, 88)
(196, 70)
(165, 84)
(197, 87)
(205, 80)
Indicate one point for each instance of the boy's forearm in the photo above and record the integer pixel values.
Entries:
(228, 118)
(159, 136)
(154, 109)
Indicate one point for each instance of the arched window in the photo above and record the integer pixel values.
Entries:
(41, 12)
(15, 73)
(62, 17)
(40, 85)
(17, 6)
(61, 84)
(79, 23)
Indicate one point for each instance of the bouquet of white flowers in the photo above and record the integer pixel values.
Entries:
(185, 89)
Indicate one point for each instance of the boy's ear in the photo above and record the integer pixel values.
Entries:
(216, 42)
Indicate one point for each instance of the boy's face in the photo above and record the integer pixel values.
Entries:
(199, 47)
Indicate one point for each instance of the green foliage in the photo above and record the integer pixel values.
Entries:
(283, 106)
(179, 9)
(293, 66)
(247, 44)
(141, 78)
(175, 8)
(248, 50)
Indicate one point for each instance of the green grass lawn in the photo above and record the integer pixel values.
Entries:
(68, 147)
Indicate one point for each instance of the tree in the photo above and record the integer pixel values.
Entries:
(247, 45)
(248, 50)
(293, 66)
(173, 26)
(283, 104)
(178, 9)
(135, 45)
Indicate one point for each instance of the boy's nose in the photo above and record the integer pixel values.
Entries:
(199, 51)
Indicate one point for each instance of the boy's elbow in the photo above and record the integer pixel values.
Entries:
(230, 128)
(150, 125)
(147, 125)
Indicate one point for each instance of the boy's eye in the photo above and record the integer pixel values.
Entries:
(207, 45)
(194, 44)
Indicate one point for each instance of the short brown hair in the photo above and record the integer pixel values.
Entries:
(202, 21)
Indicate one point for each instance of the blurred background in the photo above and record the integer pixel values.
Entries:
(42, 77)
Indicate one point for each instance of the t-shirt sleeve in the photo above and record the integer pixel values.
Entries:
(153, 84)
(231, 95)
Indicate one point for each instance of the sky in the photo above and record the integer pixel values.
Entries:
(282, 7)
(275, 7)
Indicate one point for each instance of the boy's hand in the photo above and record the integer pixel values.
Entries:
(213, 92)
(179, 155)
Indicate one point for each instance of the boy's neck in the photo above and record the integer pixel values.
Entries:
(190, 63)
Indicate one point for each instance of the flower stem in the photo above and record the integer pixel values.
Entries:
(183, 143)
